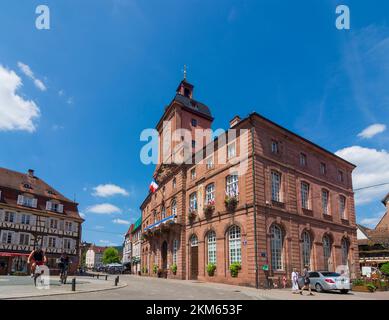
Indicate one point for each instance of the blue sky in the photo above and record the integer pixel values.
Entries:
(106, 69)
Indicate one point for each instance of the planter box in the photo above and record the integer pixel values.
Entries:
(360, 289)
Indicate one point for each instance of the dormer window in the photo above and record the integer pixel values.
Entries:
(27, 201)
(54, 206)
(51, 192)
(187, 92)
(27, 186)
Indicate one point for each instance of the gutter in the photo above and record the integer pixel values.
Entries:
(254, 207)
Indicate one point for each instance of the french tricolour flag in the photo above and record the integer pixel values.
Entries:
(153, 186)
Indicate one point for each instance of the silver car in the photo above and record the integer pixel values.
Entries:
(327, 281)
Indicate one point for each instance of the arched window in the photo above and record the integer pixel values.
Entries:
(276, 186)
(175, 250)
(276, 246)
(163, 212)
(210, 194)
(193, 201)
(174, 207)
(306, 248)
(326, 251)
(194, 242)
(344, 248)
(232, 188)
(211, 247)
(235, 244)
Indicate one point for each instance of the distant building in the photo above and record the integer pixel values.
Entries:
(94, 257)
(127, 248)
(374, 243)
(33, 213)
(136, 243)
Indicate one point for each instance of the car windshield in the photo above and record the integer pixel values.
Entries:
(330, 274)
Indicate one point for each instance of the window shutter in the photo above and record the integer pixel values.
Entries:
(20, 200)
(60, 208)
(47, 222)
(1, 215)
(59, 242)
(61, 225)
(14, 238)
(3, 236)
(45, 242)
(32, 220)
(35, 203)
(75, 227)
(48, 205)
(18, 217)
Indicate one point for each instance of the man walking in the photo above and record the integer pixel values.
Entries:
(307, 282)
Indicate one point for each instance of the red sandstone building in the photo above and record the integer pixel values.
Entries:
(32, 213)
(293, 206)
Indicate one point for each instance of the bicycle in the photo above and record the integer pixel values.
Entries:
(38, 273)
(63, 274)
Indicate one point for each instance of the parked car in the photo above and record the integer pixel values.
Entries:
(327, 281)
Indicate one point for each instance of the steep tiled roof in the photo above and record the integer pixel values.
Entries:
(17, 181)
(193, 105)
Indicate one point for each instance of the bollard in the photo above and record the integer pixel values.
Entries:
(116, 280)
(106, 277)
(98, 276)
(74, 284)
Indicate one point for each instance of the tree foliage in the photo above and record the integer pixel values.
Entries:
(111, 255)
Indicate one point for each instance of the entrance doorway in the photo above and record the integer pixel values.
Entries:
(164, 255)
(194, 257)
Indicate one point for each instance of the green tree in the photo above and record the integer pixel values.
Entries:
(385, 268)
(111, 255)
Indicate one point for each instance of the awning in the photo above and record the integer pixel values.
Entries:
(13, 254)
(163, 221)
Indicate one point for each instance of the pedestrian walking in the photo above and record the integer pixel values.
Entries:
(284, 282)
(295, 277)
(307, 282)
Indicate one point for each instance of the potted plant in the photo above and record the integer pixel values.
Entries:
(371, 287)
(209, 208)
(211, 267)
(231, 203)
(173, 268)
(235, 268)
(192, 214)
(155, 268)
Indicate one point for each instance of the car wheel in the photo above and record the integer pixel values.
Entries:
(318, 287)
(344, 291)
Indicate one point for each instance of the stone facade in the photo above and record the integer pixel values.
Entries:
(292, 196)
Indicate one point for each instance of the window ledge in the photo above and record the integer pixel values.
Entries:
(278, 204)
(308, 212)
(327, 216)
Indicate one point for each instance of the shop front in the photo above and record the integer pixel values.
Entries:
(13, 263)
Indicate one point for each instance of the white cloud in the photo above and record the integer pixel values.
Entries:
(99, 227)
(57, 127)
(108, 190)
(370, 222)
(82, 215)
(28, 72)
(108, 243)
(16, 113)
(372, 130)
(372, 169)
(104, 208)
(120, 221)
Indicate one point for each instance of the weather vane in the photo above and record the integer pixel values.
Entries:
(184, 71)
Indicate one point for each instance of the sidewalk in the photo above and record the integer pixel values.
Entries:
(23, 287)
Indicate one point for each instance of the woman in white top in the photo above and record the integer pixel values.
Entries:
(295, 276)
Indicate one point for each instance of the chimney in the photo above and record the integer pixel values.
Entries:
(31, 173)
(235, 120)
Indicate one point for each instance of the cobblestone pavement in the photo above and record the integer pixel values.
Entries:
(142, 288)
